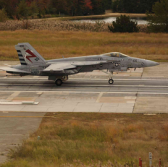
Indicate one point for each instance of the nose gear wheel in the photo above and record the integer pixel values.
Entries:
(111, 81)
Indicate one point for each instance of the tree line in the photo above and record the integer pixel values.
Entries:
(25, 8)
(133, 6)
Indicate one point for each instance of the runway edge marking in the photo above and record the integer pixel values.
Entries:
(34, 84)
(89, 92)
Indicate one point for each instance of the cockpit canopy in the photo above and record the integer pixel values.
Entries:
(116, 54)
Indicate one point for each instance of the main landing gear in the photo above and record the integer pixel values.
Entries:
(58, 82)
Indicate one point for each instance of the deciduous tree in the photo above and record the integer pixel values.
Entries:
(88, 4)
(3, 15)
(60, 6)
(132, 6)
(72, 7)
(10, 7)
(33, 8)
(22, 9)
(87, 7)
(42, 6)
(98, 6)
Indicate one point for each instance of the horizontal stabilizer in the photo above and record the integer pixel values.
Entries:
(13, 70)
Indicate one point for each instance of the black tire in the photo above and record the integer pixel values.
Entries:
(58, 82)
(111, 81)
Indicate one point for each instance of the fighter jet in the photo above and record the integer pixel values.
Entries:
(58, 70)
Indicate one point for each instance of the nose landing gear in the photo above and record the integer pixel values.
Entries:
(111, 81)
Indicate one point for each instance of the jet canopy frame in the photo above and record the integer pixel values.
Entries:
(116, 54)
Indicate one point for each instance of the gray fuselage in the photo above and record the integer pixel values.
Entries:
(111, 61)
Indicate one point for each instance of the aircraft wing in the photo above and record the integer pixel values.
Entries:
(61, 66)
(13, 70)
(58, 67)
(87, 63)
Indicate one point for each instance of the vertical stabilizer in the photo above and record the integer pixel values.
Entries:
(28, 55)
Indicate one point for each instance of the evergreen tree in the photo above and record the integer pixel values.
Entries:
(123, 24)
(158, 22)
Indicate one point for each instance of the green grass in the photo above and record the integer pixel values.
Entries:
(52, 45)
(88, 139)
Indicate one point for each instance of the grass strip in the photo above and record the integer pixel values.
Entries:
(94, 139)
(53, 45)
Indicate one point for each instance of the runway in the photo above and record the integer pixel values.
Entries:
(85, 85)
(140, 91)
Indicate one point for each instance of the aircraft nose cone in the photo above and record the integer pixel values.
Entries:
(151, 63)
(156, 63)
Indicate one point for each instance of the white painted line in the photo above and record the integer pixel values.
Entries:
(100, 95)
(120, 79)
(30, 102)
(147, 86)
(151, 93)
(12, 96)
(150, 114)
(34, 84)
(11, 103)
(19, 103)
